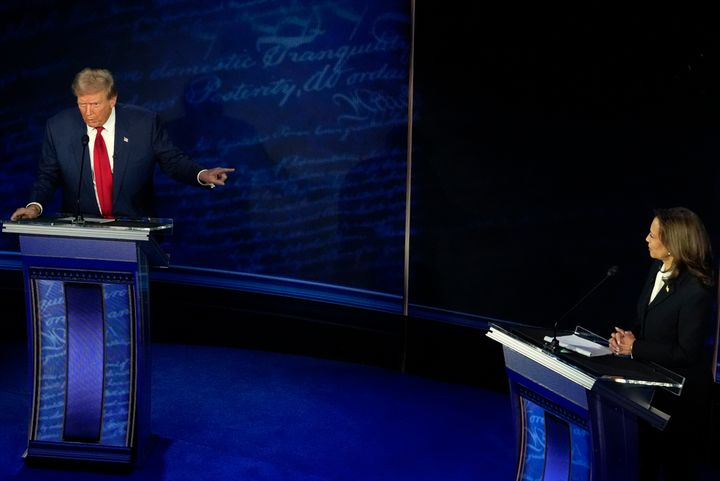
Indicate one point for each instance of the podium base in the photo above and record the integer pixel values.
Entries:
(43, 450)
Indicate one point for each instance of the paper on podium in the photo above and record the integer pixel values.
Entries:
(583, 346)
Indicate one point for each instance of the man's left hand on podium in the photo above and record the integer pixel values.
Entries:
(32, 211)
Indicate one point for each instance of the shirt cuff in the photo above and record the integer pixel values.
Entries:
(212, 186)
(37, 204)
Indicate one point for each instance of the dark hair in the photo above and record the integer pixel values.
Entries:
(684, 235)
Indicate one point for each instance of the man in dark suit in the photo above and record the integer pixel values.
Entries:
(122, 144)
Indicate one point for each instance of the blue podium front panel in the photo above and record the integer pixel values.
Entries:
(83, 327)
(555, 443)
(87, 299)
(50, 370)
(118, 362)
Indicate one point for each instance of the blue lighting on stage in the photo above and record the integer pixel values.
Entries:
(306, 100)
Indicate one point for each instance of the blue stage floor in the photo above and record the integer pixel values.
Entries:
(231, 414)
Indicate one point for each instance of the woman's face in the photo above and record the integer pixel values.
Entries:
(655, 246)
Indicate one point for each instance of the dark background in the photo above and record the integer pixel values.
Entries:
(544, 138)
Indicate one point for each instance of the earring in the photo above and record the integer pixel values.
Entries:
(669, 253)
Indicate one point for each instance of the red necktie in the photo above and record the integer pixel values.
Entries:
(103, 174)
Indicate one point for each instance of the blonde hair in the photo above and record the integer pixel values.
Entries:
(93, 80)
(683, 234)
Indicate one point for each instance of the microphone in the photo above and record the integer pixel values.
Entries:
(553, 345)
(78, 215)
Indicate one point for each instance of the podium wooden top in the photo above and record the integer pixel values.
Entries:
(110, 229)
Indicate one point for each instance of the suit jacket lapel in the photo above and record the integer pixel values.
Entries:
(669, 289)
(644, 299)
(120, 154)
(665, 292)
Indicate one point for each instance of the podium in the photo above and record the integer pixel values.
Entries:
(576, 417)
(86, 290)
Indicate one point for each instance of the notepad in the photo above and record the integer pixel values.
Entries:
(578, 344)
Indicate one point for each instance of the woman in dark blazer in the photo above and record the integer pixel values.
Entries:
(674, 319)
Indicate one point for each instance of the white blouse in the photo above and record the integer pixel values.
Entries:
(660, 279)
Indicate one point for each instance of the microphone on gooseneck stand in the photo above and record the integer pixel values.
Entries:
(78, 215)
(554, 344)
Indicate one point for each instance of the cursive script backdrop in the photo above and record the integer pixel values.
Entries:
(306, 100)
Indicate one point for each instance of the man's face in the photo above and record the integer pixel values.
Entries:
(95, 108)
